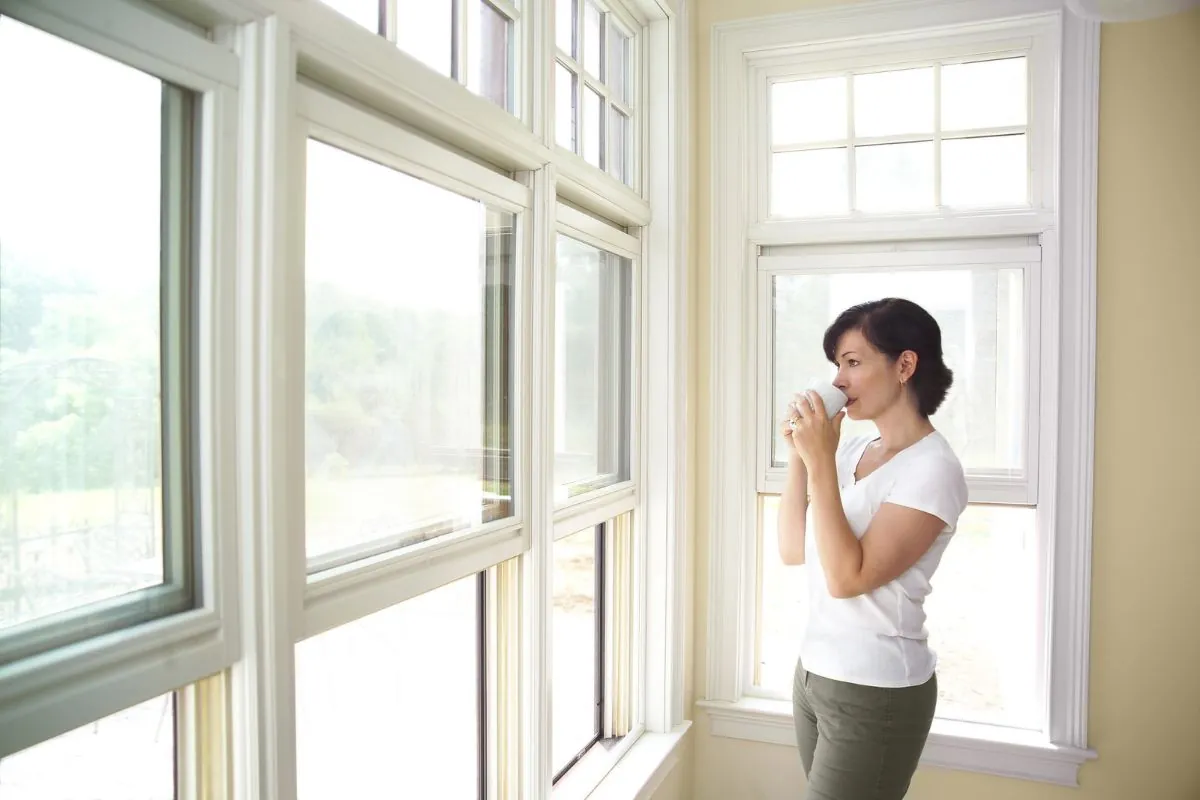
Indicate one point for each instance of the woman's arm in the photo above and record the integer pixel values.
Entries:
(899, 533)
(896, 539)
(793, 506)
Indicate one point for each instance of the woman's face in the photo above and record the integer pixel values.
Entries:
(869, 378)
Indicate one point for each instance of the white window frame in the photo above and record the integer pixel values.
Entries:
(984, 486)
(59, 690)
(610, 240)
(1019, 486)
(1061, 217)
(383, 576)
(266, 58)
(280, 38)
(989, 43)
(587, 510)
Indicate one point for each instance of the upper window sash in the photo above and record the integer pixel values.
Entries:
(596, 69)
(609, 493)
(1017, 483)
(386, 570)
(56, 682)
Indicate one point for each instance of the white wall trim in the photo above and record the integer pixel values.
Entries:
(1072, 566)
(1066, 215)
(664, 381)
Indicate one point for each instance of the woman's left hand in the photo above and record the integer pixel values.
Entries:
(815, 436)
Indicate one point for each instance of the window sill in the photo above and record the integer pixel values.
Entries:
(952, 745)
(635, 775)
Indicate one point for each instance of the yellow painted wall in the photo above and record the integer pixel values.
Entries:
(1145, 694)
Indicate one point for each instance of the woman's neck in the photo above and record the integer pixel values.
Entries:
(902, 426)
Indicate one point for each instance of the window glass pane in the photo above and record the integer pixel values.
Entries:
(784, 608)
(890, 103)
(489, 33)
(564, 26)
(364, 12)
(894, 177)
(988, 651)
(564, 107)
(986, 171)
(808, 111)
(127, 756)
(425, 30)
(593, 127)
(593, 46)
(618, 65)
(592, 349)
(984, 94)
(408, 297)
(574, 710)
(809, 183)
(620, 130)
(981, 315)
(81, 370)
(392, 700)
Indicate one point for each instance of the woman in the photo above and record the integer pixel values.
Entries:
(871, 517)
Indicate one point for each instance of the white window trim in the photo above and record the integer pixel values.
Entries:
(1066, 224)
(57, 691)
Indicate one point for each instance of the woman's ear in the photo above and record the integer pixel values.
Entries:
(908, 365)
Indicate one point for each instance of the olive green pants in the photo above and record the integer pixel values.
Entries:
(860, 742)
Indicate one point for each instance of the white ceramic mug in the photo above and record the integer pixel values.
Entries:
(833, 397)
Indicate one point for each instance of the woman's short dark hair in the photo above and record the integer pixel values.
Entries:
(893, 325)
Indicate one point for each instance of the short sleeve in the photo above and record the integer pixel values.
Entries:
(936, 486)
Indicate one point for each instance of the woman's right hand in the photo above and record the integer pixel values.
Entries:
(786, 429)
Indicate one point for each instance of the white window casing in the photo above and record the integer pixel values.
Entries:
(1060, 283)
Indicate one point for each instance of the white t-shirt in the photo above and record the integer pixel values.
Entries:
(879, 638)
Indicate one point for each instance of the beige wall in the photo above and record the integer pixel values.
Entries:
(1145, 695)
